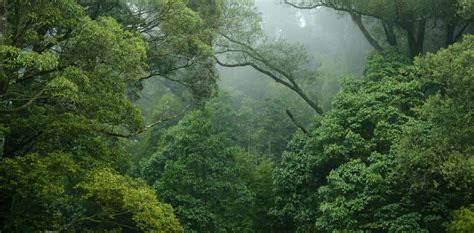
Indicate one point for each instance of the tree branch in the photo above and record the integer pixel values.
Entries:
(161, 121)
(26, 105)
(305, 131)
(255, 55)
(357, 18)
(304, 7)
(461, 31)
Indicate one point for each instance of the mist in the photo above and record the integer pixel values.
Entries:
(237, 116)
(330, 38)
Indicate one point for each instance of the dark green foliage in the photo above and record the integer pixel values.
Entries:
(66, 82)
(393, 155)
(367, 197)
(366, 117)
(195, 170)
(435, 150)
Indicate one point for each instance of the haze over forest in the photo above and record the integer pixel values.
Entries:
(237, 116)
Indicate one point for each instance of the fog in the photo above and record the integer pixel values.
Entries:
(332, 40)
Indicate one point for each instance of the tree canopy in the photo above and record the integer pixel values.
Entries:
(115, 117)
(407, 24)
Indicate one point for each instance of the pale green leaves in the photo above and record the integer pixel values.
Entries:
(115, 195)
(466, 8)
(463, 221)
(46, 190)
(16, 58)
(105, 43)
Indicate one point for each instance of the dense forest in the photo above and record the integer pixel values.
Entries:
(237, 116)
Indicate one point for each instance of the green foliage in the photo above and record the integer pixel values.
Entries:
(366, 117)
(122, 199)
(65, 88)
(81, 90)
(435, 150)
(463, 220)
(34, 188)
(393, 155)
(179, 34)
(52, 192)
(466, 9)
(195, 170)
(256, 171)
(360, 197)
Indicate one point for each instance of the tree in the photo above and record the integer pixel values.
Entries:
(53, 193)
(416, 174)
(463, 220)
(466, 9)
(256, 171)
(367, 195)
(427, 176)
(366, 118)
(195, 170)
(74, 81)
(243, 43)
(402, 21)
(263, 126)
(66, 84)
(179, 35)
(435, 149)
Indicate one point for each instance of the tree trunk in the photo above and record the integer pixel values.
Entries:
(2, 143)
(450, 34)
(415, 42)
(390, 34)
(310, 102)
(420, 40)
(358, 20)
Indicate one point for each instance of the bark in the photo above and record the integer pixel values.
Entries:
(458, 35)
(358, 20)
(420, 40)
(292, 118)
(2, 143)
(450, 34)
(416, 39)
(390, 34)
(411, 44)
(291, 84)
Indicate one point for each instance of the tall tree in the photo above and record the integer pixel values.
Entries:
(66, 82)
(403, 21)
(366, 117)
(393, 157)
(243, 43)
(179, 35)
(195, 170)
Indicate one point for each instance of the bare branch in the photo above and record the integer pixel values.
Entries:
(272, 71)
(304, 7)
(292, 118)
(258, 68)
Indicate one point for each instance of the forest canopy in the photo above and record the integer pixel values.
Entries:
(236, 116)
